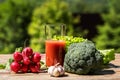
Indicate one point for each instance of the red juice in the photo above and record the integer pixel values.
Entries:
(55, 52)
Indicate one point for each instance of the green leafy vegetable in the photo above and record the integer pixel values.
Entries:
(108, 55)
(2, 66)
(43, 65)
(19, 49)
(69, 39)
(7, 67)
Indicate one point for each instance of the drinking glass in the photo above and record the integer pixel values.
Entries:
(54, 49)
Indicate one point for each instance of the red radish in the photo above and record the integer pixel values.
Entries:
(27, 52)
(17, 56)
(26, 60)
(15, 66)
(24, 68)
(34, 68)
(38, 65)
(36, 57)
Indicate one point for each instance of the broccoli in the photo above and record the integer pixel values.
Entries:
(83, 58)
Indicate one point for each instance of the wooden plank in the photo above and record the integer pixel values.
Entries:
(112, 73)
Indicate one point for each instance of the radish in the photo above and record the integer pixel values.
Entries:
(27, 52)
(36, 57)
(15, 66)
(34, 68)
(26, 60)
(24, 68)
(38, 66)
(17, 56)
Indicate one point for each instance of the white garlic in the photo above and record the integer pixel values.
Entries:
(56, 73)
(56, 70)
(50, 70)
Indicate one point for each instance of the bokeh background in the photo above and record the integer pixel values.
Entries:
(22, 22)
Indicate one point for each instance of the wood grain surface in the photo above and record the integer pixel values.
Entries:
(111, 73)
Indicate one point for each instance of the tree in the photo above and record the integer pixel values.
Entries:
(51, 12)
(109, 33)
(15, 15)
(88, 6)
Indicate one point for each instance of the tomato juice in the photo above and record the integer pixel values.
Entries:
(55, 52)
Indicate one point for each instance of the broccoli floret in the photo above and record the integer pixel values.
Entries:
(83, 58)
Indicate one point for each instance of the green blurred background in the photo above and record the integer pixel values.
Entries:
(22, 22)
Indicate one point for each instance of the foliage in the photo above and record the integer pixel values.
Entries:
(109, 33)
(83, 58)
(2, 66)
(88, 6)
(14, 18)
(108, 55)
(69, 39)
(53, 13)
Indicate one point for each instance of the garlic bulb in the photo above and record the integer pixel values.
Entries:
(56, 70)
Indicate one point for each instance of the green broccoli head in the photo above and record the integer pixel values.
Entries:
(82, 58)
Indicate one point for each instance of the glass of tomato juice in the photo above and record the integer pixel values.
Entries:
(55, 52)
(54, 49)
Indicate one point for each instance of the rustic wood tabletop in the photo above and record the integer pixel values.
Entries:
(111, 73)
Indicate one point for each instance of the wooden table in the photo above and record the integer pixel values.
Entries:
(112, 73)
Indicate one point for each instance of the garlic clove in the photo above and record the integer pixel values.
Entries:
(61, 70)
(51, 69)
(56, 73)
